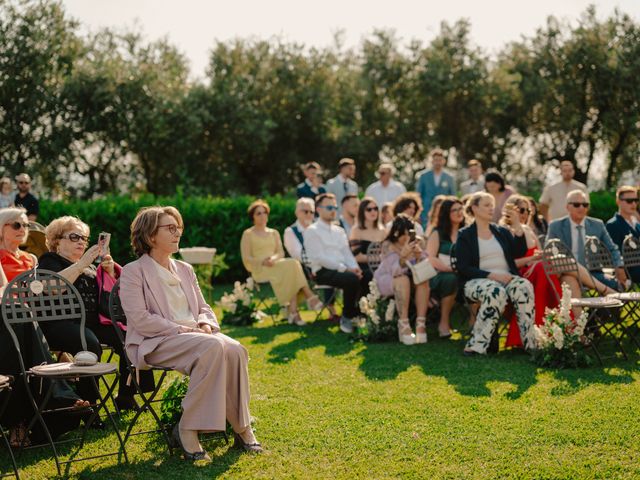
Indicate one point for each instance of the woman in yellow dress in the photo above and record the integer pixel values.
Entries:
(263, 257)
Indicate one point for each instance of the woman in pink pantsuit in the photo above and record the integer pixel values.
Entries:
(169, 324)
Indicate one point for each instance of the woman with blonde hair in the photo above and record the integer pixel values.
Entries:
(263, 256)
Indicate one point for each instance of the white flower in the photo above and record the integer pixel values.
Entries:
(541, 337)
(250, 283)
(364, 304)
(558, 337)
(388, 316)
(375, 319)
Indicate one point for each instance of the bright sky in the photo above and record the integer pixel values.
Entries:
(194, 25)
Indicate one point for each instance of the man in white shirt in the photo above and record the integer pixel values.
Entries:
(343, 183)
(331, 259)
(476, 178)
(386, 189)
(347, 220)
(553, 200)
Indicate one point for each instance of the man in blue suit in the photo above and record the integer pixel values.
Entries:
(625, 223)
(309, 188)
(573, 229)
(430, 183)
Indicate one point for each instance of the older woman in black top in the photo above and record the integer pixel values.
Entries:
(486, 265)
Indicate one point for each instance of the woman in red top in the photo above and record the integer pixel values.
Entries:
(15, 228)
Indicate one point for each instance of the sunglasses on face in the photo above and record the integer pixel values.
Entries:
(76, 237)
(579, 204)
(173, 229)
(306, 212)
(523, 210)
(329, 208)
(629, 200)
(18, 225)
(372, 209)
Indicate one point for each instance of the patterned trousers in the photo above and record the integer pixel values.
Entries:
(492, 297)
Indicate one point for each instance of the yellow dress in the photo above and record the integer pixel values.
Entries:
(286, 275)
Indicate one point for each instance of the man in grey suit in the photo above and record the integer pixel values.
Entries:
(572, 230)
(430, 183)
(343, 183)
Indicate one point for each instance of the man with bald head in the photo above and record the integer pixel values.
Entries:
(573, 229)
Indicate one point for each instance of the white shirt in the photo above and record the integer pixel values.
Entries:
(574, 237)
(327, 247)
(492, 256)
(382, 194)
(472, 186)
(436, 178)
(556, 197)
(177, 300)
(311, 186)
(291, 242)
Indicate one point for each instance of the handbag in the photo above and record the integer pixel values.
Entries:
(103, 299)
(422, 271)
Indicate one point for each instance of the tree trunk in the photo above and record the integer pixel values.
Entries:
(615, 153)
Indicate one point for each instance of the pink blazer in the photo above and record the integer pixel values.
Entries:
(143, 301)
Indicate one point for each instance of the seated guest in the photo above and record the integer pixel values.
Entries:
(393, 277)
(485, 253)
(495, 185)
(294, 242)
(263, 257)
(386, 189)
(410, 205)
(7, 195)
(170, 325)
(67, 240)
(309, 188)
(432, 216)
(366, 231)
(624, 222)
(331, 259)
(386, 214)
(572, 230)
(445, 284)
(347, 219)
(536, 222)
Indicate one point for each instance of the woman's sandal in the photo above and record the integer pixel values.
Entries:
(190, 456)
(247, 447)
(314, 303)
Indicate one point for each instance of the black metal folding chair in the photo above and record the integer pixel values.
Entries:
(329, 293)
(603, 312)
(631, 257)
(38, 296)
(5, 394)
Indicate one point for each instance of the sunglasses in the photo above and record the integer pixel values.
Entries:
(76, 237)
(173, 229)
(307, 212)
(579, 204)
(523, 210)
(18, 225)
(629, 200)
(372, 209)
(330, 208)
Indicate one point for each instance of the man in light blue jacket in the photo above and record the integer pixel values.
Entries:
(430, 183)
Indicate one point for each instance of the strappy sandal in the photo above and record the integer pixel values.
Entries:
(190, 456)
(314, 303)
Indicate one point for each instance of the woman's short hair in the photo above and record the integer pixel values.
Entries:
(4, 180)
(58, 227)
(474, 200)
(495, 177)
(400, 225)
(10, 215)
(305, 201)
(518, 201)
(364, 203)
(405, 200)
(145, 225)
(251, 211)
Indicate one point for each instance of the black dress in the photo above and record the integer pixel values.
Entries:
(357, 247)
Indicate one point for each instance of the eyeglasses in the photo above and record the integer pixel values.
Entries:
(630, 200)
(75, 237)
(306, 212)
(579, 204)
(372, 209)
(172, 227)
(18, 225)
(330, 208)
(523, 210)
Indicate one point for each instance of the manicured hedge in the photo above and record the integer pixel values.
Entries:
(209, 221)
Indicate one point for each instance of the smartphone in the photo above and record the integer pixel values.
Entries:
(103, 244)
(412, 235)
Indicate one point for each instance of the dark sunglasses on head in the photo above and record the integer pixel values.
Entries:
(579, 204)
(76, 237)
(630, 200)
(17, 225)
(372, 209)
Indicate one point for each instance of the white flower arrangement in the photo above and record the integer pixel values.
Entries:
(379, 320)
(239, 306)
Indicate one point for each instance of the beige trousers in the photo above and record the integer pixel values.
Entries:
(218, 379)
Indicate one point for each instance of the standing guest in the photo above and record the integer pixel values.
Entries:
(263, 257)
(432, 216)
(331, 259)
(393, 277)
(25, 199)
(294, 242)
(445, 284)
(536, 222)
(624, 222)
(386, 214)
(347, 218)
(485, 253)
(170, 325)
(7, 195)
(309, 188)
(343, 183)
(572, 230)
(495, 185)
(553, 201)
(367, 230)
(475, 183)
(386, 189)
(430, 183)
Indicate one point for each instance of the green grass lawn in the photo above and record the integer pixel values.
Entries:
(326, 407)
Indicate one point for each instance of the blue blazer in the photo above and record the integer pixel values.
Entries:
(426, 187)
(593, 227)
(304, 190)
(618, 229)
